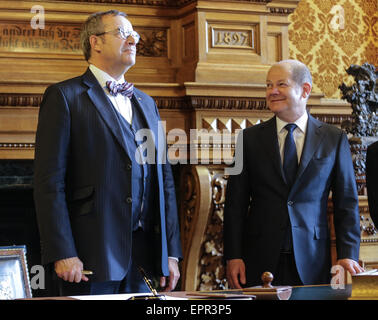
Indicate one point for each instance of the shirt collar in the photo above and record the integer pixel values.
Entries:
(102, 76)
(300, 122)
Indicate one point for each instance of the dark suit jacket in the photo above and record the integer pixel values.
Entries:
(82, 182)
(372, 180)
(258, 201)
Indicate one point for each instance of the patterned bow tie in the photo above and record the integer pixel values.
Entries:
(126, 88)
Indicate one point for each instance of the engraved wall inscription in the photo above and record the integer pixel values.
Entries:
(230, 38)
(56, 38)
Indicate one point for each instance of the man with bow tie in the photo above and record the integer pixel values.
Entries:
(99, 207)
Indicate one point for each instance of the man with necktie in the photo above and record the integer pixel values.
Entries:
(101, 206)
(275, 216)
(372, 180)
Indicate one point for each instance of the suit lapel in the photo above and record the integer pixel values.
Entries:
(146, 111)
(270, 140)
(314, 136)
(105, 108)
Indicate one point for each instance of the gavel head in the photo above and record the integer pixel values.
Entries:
(267, 278)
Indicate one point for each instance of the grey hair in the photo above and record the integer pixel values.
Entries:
(92, 26)
(300, 73)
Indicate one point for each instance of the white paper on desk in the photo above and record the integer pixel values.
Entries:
(124, 296)
(372, 272)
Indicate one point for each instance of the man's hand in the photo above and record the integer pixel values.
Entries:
(236, 272)
(350, 265)
(70, 269)
(174, 275)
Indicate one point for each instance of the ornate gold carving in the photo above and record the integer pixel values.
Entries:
(212, 271)
(153, 43)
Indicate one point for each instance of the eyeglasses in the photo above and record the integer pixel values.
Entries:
(123, 34)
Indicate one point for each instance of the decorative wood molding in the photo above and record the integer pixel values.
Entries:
(187, 102)
(183, 102)
(159, 3)
(20, 100)
(228, 103)
(335, 119)
(283, 11)
(15, 145)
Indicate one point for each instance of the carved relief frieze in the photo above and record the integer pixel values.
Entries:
(153, 42)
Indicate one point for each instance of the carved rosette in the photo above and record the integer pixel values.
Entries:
(153, 43)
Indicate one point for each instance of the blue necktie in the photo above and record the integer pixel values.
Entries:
(290, 162)
(290, 166)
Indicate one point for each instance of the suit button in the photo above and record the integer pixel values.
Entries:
(129, 199)
(128, 166)
(290, 203)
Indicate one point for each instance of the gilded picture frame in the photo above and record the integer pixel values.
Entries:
(14, 275)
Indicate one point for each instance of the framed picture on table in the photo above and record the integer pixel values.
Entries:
(14, 275)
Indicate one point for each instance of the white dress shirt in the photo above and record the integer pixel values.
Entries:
(121, 103)
(299, 134)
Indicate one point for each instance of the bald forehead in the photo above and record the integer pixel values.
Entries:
(281, 67)
(281, 72)
(292, 69)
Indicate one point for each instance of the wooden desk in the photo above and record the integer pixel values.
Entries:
(318, 292)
